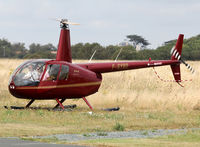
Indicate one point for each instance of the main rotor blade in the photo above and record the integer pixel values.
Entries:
(72, 23)
(65, 21)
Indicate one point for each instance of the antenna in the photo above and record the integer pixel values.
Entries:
(118, 54)
(92, 56)
(4, 51)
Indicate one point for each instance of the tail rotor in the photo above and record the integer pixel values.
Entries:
(188, 66)
(175, 54)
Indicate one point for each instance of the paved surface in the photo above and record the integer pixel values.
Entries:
(15, 142)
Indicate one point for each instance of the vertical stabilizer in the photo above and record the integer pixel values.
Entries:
(176, 55)
(177, 50)
(176, 72)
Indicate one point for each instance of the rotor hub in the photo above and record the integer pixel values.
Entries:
(63, 24)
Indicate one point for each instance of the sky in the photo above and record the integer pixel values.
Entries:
(107, 22)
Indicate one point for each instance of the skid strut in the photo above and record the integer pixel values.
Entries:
(86, 101)
(59, 103)
(27, 106)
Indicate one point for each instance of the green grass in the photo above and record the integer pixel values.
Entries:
(43, 122)
(190, 136)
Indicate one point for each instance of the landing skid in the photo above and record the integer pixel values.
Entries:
(66, 108)
(58, 107)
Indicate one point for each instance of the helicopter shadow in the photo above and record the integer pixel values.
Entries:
(66, 108)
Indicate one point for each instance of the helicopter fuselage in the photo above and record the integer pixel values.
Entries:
(58, 79)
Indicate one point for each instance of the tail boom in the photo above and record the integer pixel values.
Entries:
(120, 66)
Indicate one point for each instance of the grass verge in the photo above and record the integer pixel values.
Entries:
(190, 138)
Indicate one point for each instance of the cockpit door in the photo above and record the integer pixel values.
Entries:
(64, 73)
(51, 73)
(49, 78)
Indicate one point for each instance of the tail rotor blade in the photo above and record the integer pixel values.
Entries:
(188, 66)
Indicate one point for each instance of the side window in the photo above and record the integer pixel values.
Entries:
(51, 72)
(64, 72)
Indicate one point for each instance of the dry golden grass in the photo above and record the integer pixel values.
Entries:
(141, 89)
(135, 89)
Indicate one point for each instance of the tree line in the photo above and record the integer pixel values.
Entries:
(191, 50)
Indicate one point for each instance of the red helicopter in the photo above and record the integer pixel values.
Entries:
(60, 79)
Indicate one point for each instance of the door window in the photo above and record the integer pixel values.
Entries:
(51, 72)
(64, 72)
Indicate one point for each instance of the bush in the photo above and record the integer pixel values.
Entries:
(118, 127)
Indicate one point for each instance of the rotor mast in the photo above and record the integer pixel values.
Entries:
(64, 46)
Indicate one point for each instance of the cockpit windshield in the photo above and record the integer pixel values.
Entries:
(29, 74)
